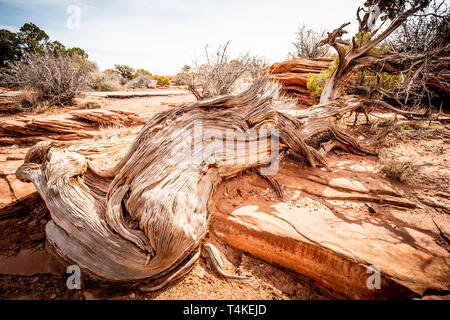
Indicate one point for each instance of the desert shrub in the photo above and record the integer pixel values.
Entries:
(383, 80)
(54, 80)
(162, 81)
(140, 82)
(111, 71)
(183, 77)
(220, 73)
(125, 71)
(424, 31)
(387, 81)
(397, 164)
(316, 81)
(122, 76)
(390, 81)
(105, 81)
(308, 44)
(127, 74)
(29, 100)
(142, 72)
(91, 105)
(403, 171)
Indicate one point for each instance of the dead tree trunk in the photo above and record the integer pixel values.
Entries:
(353, 56)
(146, 217)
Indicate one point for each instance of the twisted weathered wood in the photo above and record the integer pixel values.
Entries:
(146, 216)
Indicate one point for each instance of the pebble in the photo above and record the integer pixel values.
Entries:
(201, 273)
(132, 296)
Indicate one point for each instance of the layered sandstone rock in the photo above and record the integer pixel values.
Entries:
(30, 131)
(293, 75)
(332, 227)
(6, 104)
(110, 117)
(81, 124)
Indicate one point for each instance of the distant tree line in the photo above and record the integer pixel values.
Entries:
(137, 78)
(30, 39)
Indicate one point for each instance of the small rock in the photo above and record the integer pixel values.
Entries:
(371, 210)
(201, 273)
(132, 296)
(43, 221)
(53, 296)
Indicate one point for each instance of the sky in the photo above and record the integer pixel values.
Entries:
(163, 35)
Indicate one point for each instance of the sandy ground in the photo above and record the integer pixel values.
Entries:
(425, 146)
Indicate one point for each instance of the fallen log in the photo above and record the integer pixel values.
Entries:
(145, 218)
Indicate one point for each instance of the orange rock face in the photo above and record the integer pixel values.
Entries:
(5, 193)
(293, 75)
(83, 124)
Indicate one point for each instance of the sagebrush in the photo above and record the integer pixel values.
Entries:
(106, 81)
(219, 74)
(308, 44)
(53, 80)
(141, 82)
